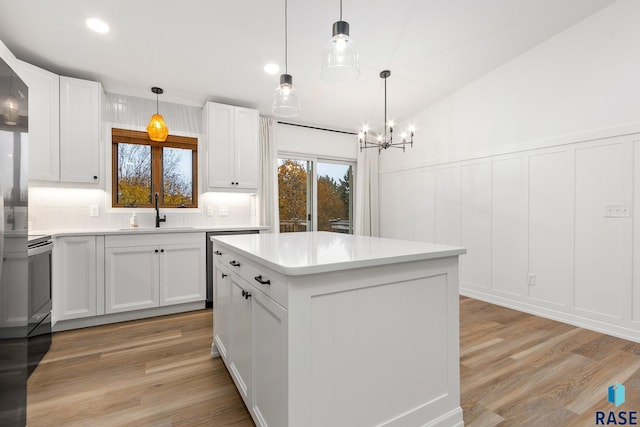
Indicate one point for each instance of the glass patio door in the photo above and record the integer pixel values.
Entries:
(315, 195)
(295, 192)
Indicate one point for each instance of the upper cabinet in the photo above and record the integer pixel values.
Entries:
(232, 147)
(44, 123)
(65, 127)
(80, 130)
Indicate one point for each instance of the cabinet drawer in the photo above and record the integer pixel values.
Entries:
(139, 238)
(264, 279)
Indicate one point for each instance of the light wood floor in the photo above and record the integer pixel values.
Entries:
(516, 370)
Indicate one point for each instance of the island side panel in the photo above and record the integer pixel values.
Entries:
(376, 346)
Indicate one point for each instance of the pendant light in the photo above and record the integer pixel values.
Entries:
(157, 129)
(11, 109)
(285, 101)
(340, 59)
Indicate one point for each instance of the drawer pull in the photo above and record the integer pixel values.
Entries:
(224, 275)
(234, 263)
(260, 280)
(217, 253)
(246, 294)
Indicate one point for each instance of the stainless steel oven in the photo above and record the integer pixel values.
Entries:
(40, 250)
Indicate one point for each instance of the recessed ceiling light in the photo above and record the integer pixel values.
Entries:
(271, 68)
(97, 25)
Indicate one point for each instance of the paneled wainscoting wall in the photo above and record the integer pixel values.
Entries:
(548, 231)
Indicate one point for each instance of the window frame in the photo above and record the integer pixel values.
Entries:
(142, 138)
(312, 187)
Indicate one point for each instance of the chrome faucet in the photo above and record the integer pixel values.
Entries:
(158, 219)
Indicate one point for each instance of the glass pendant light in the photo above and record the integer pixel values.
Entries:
(285, 101)
(10, 111)
(157, 129)
(340, 59)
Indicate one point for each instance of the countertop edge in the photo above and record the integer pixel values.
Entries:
(134, 231)
(340, 266)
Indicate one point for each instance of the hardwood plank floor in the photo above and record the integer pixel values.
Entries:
(516, 370)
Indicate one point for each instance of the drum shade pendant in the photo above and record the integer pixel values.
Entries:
(340, 62)
(157, 129)
(285, 101)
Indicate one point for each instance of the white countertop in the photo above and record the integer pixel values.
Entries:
(144, 230)
(303, 253)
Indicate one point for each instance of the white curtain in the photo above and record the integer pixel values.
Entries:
(366, 208)
(268, 191)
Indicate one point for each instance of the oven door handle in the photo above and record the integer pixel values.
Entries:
(40, 250)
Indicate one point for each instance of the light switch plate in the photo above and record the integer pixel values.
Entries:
(223, 211)
(531, 279)
(617, 210)
(94, 210)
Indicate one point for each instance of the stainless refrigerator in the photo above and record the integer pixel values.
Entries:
(13, 247)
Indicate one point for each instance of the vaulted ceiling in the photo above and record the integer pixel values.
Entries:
(199, 50)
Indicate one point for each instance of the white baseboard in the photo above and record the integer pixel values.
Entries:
(561, 316)
(64, 325)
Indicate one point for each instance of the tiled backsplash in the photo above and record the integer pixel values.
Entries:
(69, 208)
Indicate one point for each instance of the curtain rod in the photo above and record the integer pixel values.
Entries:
(313, 127)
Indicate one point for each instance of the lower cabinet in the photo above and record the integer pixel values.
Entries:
(144, 271)
(74, 280)
(250, 333)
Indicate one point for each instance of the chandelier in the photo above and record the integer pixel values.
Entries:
(381, 142)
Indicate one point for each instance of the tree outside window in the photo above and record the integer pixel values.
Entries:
(141, 168)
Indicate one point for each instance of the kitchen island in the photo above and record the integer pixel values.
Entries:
(323, 329)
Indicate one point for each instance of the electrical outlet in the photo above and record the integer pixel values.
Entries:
(209, 210)
(223, 211)
(94, 210)
(531, 279)
(617, 210)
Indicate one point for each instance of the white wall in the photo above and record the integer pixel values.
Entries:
(60, 207)
(316, 142)
(519, 166)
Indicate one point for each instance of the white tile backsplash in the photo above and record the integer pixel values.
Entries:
(68, 209)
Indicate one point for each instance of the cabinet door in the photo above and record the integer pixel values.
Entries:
(240, 352)
(182, 273)
(74, 278)
(220, 152)
(246, 149)
(131, 278)
(80, 130)
(221, 310)
(269, 361)
(44, 122)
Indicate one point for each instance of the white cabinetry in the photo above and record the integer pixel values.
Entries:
(250, 333)
(145, 271)
(65, 127)
(80, 130)
(232, 147)
(341, 330)
(75, 277)
(44, 123)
